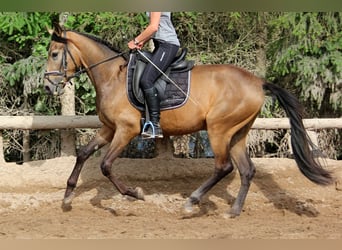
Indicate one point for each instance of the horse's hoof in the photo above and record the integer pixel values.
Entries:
(68, 199)
(231, 214)
(66, 207)
(66, 204)
(139, 193)
(188, 208)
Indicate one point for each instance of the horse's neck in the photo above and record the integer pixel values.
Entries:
(93, 53)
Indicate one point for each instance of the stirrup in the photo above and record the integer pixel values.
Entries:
(146, 135)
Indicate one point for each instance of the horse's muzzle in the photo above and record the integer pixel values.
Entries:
(52, 89)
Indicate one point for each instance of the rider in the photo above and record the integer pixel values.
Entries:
(166, 44)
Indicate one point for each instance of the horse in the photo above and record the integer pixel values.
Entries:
(226, 100)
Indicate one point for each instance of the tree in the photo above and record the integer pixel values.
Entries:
(300, 51)
(23, 49)
(307, 57)
(68, 139)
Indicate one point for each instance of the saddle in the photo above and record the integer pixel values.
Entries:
(171, 96)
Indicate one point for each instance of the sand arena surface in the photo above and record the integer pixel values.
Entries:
(281, 203)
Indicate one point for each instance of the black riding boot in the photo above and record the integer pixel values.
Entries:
(153, 105)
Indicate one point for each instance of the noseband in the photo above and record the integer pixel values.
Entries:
(64, 63)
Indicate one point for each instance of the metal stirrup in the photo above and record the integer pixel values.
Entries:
(145, 128)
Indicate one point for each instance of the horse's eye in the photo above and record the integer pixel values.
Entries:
(54, 55)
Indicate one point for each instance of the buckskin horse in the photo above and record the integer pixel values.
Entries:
(225, 101)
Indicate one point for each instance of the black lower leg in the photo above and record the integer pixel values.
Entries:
(205, 187)
(153, 105)
(247, 172)
(119, 185)
(82, 156)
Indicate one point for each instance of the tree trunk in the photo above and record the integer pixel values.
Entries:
(68, 139)
(261, 32)
(26, 135)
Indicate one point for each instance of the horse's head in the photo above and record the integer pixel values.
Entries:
(62, 62)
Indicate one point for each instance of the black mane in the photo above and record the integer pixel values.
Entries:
(99, 40)
(60, 39)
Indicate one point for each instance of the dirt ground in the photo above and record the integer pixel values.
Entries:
(281, 203)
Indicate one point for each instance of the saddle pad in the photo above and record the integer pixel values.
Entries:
(174, 98)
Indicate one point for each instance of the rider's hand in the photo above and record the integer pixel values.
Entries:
(133, 45)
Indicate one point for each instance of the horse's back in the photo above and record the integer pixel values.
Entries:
(227, 81)
(219, 94)
(225, 74)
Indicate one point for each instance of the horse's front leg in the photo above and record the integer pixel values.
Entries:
(103, 137)
(120, 140)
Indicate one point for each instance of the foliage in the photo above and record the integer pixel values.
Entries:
(85, 98)
(307, 53)
(303, 55)
(219, 37)
(23, 33)
(116, 28)
(25, 39)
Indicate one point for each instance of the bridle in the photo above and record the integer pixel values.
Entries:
(63, 69)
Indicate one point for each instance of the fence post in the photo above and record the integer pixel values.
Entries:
(2, 156)
(26, 145)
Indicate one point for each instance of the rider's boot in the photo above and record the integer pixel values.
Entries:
(153, 105)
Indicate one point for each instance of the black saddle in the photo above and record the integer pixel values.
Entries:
(171, 96)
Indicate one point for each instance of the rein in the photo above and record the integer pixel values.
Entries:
(83, 70)
(64, 65)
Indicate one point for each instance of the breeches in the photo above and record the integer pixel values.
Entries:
(163, 55)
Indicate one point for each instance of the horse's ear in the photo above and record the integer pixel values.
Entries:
(57, 28)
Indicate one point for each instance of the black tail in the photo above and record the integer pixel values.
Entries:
(300, 141)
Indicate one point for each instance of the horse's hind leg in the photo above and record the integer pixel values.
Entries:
(246, 169)
(221, 170)
(223, 166)
(102, 138)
